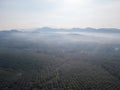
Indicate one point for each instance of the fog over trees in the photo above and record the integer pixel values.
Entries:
(60, 59)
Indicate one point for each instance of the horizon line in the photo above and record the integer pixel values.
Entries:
(58, 28)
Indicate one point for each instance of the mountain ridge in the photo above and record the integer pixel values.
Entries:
(49, 29)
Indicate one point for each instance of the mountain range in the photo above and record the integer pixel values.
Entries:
(48, 30)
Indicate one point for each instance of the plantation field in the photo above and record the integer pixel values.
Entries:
(59, 61)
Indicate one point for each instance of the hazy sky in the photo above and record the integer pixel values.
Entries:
(59, 13)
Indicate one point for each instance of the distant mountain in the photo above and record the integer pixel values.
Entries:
(50, 30)
(100, 30)
(6, 32)
(9, 31)
(46, 30)
(109, 30)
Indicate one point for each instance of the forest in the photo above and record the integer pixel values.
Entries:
(52, 59)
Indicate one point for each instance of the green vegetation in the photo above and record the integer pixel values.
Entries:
(53, 62)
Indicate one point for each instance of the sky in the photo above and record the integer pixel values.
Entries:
(59, 13)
